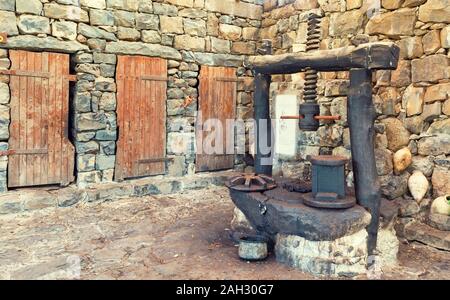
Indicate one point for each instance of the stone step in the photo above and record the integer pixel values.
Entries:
(428, 235)
(28, 199)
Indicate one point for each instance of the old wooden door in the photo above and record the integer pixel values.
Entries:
(141, 110)
(217, 100)
(39, 149)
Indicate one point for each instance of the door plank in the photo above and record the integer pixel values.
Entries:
(37, 118)
(23, 119)
(44, 129)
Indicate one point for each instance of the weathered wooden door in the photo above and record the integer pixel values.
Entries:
(39, 149)
(141, 109)
(217, 100)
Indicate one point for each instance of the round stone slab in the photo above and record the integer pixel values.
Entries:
(346, 202)
(281, 211)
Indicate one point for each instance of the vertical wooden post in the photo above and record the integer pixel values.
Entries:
(361, 117)
(262, 112)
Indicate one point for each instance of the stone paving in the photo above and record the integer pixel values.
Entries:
(178, 236)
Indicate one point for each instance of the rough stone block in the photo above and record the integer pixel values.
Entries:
(413, 97)
(64, 29)
(101, 17)
(7, 5)
(4, 93)
(28, 6)
(247, 48)
(434, 145)
(176, 166)
(94, 32)
(128, 34)
(435, 11)
(438, 92)
(396, 23)
(180, 143)
(130, 5)
(194, 27)
(431, 111)
(441, 181)
(108, 102)
(345, 256)
(171, 24)
(231, 7)
(340, 25)
(85, 162)
(401, 76)
(106, 135)
(104, 162)
(99, 4)
(397, 134)
(165, 9)
(187, 42)
(445, 37)
(143, 49)
(108, 147)
(8, 23)
(90, 121)
(67, 12)
(230, 32)
(104, 58)
(4, 122)
(151, 36)
(147, 21)
(86, 178)
(124, 18)
(411, 47)
(87, 147)
(193, 13)
(431, 68)
(393, 186)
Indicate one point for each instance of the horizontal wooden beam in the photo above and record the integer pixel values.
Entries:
(25, 73)
(23, 152)
(35, 74)
(372, 56)
(143, 77)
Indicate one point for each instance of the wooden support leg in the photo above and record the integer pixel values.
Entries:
(262, 113)
(361, 117)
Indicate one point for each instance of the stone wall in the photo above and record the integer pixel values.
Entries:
(188, 33)
(412, 102)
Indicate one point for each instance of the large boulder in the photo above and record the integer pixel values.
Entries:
(435, 11)
(397, 134)
(396, 23)
(8, 23)
(441, 181)
(434, 145)
(430, 68)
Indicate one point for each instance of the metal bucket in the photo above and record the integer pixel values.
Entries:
(253, 247)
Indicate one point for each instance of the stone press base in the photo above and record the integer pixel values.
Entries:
(346, 256)
(330, 242)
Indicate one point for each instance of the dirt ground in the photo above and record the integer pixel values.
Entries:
(182, 236)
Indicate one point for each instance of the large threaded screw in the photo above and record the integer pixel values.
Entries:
(309, 109)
